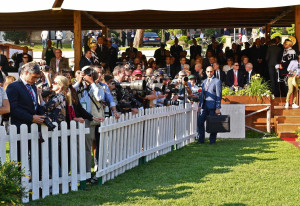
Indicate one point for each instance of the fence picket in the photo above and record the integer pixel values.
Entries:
(13, 143)
(64, 158)
(45, 162)
(55, 161)
(24, 160)
(81, 152)
(73, 151)
(35, 167)
(2, 144)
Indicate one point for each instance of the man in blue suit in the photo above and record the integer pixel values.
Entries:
(23, 98)
(210, 103)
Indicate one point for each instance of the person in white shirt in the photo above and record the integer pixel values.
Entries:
(59, 37)
(44, 36)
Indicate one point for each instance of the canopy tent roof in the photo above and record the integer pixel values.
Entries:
(144, 15)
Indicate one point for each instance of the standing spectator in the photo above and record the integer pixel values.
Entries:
(201, 35)
(94, 58)
(195, 49)
(101, 52)
(22, 96)
(167, 36)
(44, 36)
(123, 37)
(5, 117)
(4, 104)
(160, 55)
(273, 57)
(3, 68)
(244, 35)
(20, 57)
(258, 58)
(175, 50)
(131, 49)
(210, 104)
(59, 37)
(48, 52)
(72, 40)
(59, 63)
(86, 60)
(112, 56)
(128, 36)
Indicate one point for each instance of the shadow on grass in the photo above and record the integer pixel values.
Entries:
(163, 178)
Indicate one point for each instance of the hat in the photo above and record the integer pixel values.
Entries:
(192, 76)
(136, 72)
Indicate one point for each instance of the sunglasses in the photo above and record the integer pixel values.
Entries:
(209, 71)
(25, 57)
(236, 65)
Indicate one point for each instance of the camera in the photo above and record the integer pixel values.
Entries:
(170, 102)
(135, 85)
(49, 124)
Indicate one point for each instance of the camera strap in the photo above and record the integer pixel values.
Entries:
(98, 108)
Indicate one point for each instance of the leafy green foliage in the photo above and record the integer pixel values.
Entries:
(258, 88)
(16, 36)
(210, 32)
(222, 39)
(275, 35)
(183, 38)
(171, 42)
(11, 190)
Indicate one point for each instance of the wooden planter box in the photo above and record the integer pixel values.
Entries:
(257, 121)
(245, 100)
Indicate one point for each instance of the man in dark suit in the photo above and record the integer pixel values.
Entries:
(23, 98)
(3, 68)
(112, 56)
(86, 59)
(167, 36)
(131, 48)
(195, 49)
(210, 104)
(234, 52)
(273, 57)
(210, 46)
(235, 79)
(20, 57)
(160, 55)
(123, 37)
(258, 58)
(175, 51)
(219, 74)
(128, 36)
(101, 51)
(249, 72)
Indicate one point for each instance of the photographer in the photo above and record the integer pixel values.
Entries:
(183, 86)
(91, 96)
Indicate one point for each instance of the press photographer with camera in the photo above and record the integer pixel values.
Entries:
(92, 96)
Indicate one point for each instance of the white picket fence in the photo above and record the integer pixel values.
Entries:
(122, 144)
(60, 178)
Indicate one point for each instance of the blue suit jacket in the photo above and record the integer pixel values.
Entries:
(212, 97)
(21, 104)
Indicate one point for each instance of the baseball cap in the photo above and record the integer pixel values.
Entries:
(136, 72)
(192, 76)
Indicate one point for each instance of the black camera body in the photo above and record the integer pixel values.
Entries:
(49, 124)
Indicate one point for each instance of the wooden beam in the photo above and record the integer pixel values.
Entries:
(94, 19)
(297, 24)
(283, 14)
(57, 3)
(77, 39)
(268, 32)
(104, 31)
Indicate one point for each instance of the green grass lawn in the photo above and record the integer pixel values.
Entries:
(253, 171)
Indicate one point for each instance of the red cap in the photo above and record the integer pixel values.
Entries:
(137, 71)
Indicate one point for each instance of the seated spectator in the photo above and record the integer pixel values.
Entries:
(59, 63)
(25, 61)
(235, 79)
(219, 74)
(194, 87)
(229, 65)
(249, 72)
(4, 104)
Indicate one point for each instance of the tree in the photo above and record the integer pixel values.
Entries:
(138, 39)
(16, 36)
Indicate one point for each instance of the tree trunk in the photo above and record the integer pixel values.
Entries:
(138, 39)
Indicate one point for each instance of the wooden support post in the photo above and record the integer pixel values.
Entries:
(268, 32)
(104, 32)
(269, 120)
(297, 24)
(77, 39)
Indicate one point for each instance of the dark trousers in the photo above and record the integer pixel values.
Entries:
(201, 128)
(274, 80)
(58, 41)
